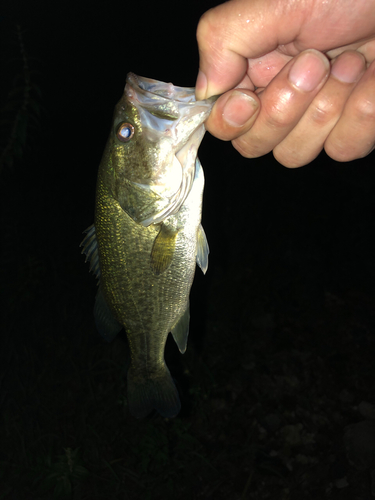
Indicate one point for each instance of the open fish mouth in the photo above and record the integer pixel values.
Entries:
(171, 117)
(162, 89)
(167, 108)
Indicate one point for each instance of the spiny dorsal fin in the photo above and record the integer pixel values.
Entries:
(163, 249)
(202, 250)
(180, 331)
(90, 249)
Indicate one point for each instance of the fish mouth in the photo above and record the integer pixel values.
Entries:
(162, 89)
(161, 103)
(166, 90)
(172, 120)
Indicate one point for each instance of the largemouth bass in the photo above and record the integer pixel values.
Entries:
(147, 235)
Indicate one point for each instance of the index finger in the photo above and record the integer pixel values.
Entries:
(230, 34)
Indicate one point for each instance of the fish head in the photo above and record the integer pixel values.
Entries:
(157, 129)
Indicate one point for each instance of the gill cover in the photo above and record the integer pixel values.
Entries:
(171, 123)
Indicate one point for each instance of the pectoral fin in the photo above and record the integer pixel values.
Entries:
(106, 324)
(163, 249)
(180, 331)
(202, 250)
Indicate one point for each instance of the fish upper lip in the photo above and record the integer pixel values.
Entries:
(155, 89)
(167, 109)
(162, 90)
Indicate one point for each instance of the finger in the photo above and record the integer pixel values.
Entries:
(365, 47)
(283, 103)
(368, 50)
(354, 134)
(263, 69)
(230, 34)
(235, 31)
(307, 138)
(233, 114)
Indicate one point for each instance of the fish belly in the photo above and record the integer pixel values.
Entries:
(147, 304)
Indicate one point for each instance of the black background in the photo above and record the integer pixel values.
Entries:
(282, 324)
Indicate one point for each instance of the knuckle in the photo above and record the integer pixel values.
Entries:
(277, 115)
(208, 34)
(203, 29)
(291, 158)
(342, 147)
(354, 136)
(324, 110)
(342, 150)
(364, 108)
(249, 149)
(339, 151)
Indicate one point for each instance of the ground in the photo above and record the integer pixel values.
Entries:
(279, 362)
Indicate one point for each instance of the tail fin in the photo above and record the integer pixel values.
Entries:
(158, 392)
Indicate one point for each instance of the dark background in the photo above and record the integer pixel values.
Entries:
(281, 347)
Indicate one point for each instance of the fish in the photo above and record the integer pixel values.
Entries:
(147, 235)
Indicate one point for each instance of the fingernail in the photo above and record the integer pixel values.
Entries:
(239, 108)
(201, 85)
(309, 70)
(349, 67)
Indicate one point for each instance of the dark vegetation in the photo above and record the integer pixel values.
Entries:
(277, 384)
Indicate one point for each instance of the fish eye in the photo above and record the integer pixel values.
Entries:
(125, 132)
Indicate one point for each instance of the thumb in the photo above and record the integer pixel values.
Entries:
(230, 34)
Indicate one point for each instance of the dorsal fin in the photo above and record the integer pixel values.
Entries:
(90, 249)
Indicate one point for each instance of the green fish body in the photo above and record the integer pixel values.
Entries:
(147, 235)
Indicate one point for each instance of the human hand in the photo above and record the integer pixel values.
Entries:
(291, 99)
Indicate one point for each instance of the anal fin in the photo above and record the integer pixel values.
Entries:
(180, 331)
(202, 249)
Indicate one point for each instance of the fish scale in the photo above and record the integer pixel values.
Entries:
(147, 235)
